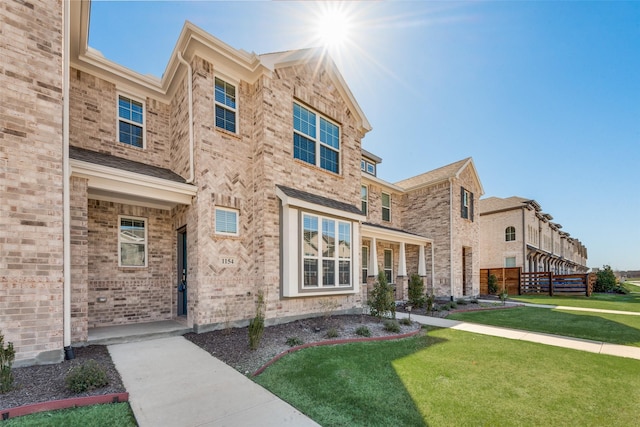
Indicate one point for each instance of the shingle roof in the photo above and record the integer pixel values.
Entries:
(436, 175)
(319, 200)
(384, 227)
(108, 160)
(492, 204)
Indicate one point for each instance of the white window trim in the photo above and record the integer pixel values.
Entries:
(236, 85)
(365, 199)
(215, 225)
(384, 207)
(146, 241)
(317, 139)
(144, 119)
(514, 261)
(336, 258)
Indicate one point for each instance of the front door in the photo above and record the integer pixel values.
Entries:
(182, 272)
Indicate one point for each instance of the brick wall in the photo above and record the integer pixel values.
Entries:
(31, 179)
(79, 260)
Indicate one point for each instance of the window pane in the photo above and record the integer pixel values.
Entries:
(328, 238)
(344, 239)
(386, 214)
(131, 255)
(130, 134)
(226, 221)
(225, 93)
(388, 259)
(371, 169)
(329, 159)
(328, 273)
(365, 263)
(132, 242)
(362, 165)
(304, 121)
(130, 110)
(310, 236)
(304, 149)
(310, 272)
(225, 119)
(329, 134)
(344, 273)
(386, 200)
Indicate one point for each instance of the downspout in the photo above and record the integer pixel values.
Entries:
(190, 90)
(66, 198)
(525, 261)
(451, 259)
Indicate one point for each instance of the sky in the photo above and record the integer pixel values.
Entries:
(545, 96)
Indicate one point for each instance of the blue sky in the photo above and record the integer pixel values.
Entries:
(545, 96)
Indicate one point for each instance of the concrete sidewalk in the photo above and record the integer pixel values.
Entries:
(173, 382)
(538, 337)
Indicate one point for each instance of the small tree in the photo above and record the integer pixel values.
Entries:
(7, 355)
(605, 280)
(256, 325)
(382, 301)
(493, 284)
(416, 291)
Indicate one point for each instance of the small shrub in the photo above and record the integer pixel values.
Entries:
(406, 321)
(430, 302)
(332, 333)
(391, 326)
(473, 300)
(7, 355)
(493, 284)
(504, 296)
(382, 301)
(416, 291)
(294, 341)
(462, 301)
(328, 307)
(605, 280)
(256, 325)
(85, 377)
(363, 331)
(453, 305)
(619, 289)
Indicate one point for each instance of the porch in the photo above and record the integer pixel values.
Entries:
(119, 334)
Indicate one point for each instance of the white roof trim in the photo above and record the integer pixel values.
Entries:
(382, 182)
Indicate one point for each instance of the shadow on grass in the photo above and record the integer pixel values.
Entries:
(350, 384)
(610, 328)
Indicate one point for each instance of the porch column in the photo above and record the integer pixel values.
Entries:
(402, 262)
(373, 258)
(422, 266)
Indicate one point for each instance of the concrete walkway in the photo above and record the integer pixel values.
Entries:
(173, 382)
(538, 337)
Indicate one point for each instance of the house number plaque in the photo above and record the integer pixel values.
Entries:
(228, 261)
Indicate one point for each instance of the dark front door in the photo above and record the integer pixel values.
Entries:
(182, 272)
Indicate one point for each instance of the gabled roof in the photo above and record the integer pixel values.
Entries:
(494, 204)
(443, 173)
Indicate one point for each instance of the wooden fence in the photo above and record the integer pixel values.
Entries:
(517, 282)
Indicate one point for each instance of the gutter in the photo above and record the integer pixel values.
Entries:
(190, 90)
(66, 197)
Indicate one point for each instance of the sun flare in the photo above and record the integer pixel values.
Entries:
(334, 26)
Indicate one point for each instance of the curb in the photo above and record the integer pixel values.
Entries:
(54, 405)
(333, 342)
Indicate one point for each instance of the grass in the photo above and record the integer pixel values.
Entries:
(612, 328)
(629, 302)
(110, 415)
(631, 287)
(451, 378)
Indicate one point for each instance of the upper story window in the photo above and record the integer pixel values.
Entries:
(132, 242)
(386, 207)
(364, 197)
(368, 167)
(225, 103)
(226, 221)
(316, 140)
(466, 204)
(130, 121)
(510, 234)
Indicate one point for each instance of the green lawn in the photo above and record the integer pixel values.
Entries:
(612, 328)
(629, 302)
(631, 287)
(110, 415)
(453, 378)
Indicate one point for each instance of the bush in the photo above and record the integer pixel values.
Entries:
(430, 300)
(493, 284)
(85, 377)
(382, 300)
(391, 326)
(363, 331)
(332, 333)
(256, 325)
(462, 301)
(416, 291)
(406, 321)
(605, 280)
(7, 355)
(294, 341)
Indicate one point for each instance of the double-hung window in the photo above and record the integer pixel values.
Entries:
(466, 204)
(132, 242)
(326, 252)
(386, 207)
(388, 265)
(316, 140)
(226, 221)
(364, 197)
(130, 121)
(365, 263)
(225, 105)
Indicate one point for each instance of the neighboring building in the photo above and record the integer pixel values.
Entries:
(514, 232)
(234, 174)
